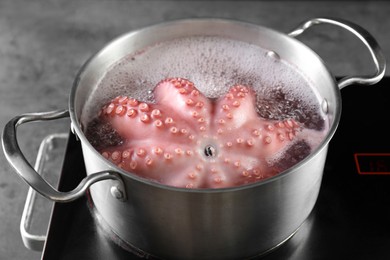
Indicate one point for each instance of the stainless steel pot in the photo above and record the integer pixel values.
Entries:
(170, 222)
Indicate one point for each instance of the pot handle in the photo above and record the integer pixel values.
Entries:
(23, 168)
(364, 36)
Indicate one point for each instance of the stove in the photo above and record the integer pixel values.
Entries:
(351, 219)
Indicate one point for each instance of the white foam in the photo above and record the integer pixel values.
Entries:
(214, 64)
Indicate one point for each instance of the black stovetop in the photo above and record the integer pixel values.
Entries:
(351, 219)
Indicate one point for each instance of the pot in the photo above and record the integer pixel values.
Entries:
(177, 223)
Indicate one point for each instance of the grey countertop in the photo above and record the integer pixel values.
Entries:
(44, 43)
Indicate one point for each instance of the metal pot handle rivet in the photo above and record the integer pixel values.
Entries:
(23, 168)
(364, 36)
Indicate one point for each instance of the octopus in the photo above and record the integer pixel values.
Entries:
(187, 140)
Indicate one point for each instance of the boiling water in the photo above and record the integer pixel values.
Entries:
(215, 64)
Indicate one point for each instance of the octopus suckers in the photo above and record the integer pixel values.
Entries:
(183, 129)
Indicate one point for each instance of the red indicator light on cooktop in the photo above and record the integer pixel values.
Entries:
(372, 163)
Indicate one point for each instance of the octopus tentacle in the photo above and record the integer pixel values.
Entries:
(180, 97)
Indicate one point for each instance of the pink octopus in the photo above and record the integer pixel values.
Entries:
(185, 139)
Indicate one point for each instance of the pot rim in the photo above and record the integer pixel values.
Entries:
(76, 126)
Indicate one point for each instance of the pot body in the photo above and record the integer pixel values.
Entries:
(226, 223)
